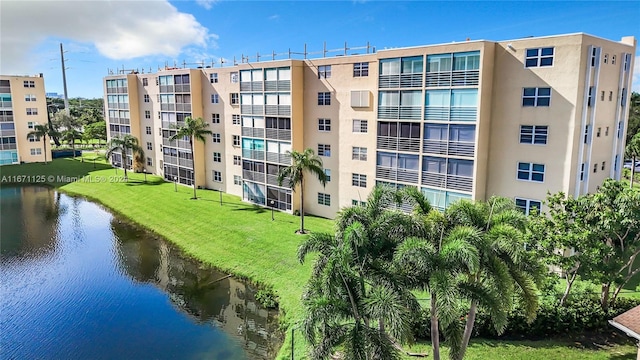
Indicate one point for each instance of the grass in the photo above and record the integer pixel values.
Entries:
(240, 239)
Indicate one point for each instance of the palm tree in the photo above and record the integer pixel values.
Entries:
(195, 129)
(504, 270)
(633, 151)
(302, 162)
(41, 132)
(71, 135)
(128, 142)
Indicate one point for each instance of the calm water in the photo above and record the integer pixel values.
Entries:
(79, 283)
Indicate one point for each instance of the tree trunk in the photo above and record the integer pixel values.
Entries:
(604, 296)
(193, 158)
(435, 334)
(301, 205)
(568, 288)
(381, 325)
(123, 154)
(73, 147)
(633, 170)
(44, 143)
(468, 328)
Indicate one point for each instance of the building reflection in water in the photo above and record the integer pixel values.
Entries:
(206, 295)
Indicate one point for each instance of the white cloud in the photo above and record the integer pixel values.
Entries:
(636, 75)
(274, 17)
(118, 29)
(207, 4)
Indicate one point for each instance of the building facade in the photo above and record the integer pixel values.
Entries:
(463, 120)
(22, 105)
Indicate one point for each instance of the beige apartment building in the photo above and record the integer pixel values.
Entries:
(22, 105)
(464, 120)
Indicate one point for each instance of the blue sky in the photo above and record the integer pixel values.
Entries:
(102, 35)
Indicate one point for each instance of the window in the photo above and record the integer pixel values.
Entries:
(215, 118)
(360, 126)
(236, 119)
(327, 172)
(30, 124)
(217, 176)
(149, 161)
(602, 168)
(215, 99)
(536, 96)
(29, 84)
(530, 172)
(29, 97)
(217, 157)
(610, 95)
(324, 71)
(147, 114)
(359, 153)
(236, 140)
(528, 206)
(146, 98)
(324, 124)
(530, 134)
(359, 180)
(606, 58)
(216, 137)
(149, 146)
(361, 69)
(32, 111)
(33, 138)
(360, 98)
(582, 172)
(358, 203)
(539, 57)
(233, 77)
(324, 199)
(594, 56)
(324, 98)
(590, 98)
(595, 167)
(37, 151)
(324, 150)
(586, 134)
(606, 131)
(613, 59)
(213, 77)
(598, 132)
(602, 95)
(145, 82)
(148, 130)
(237, 180)
(235, 99)
(237, 160)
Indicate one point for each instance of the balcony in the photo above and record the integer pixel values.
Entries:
(253, 154)
(462, 183)
(183, 107)
(398, 144)
(272, 85)
(436, 113)
(463, 114)
(434, 179)
(444, 181)
(168, 107)
(253, 176)
(284, 110)
(395, 174)
(251, 86)
(166, 89)
(252, 109)
(6, 118)
(253, 132)
(452, 78)
(8, 146)
(459, 148)
(435, 146)
(400, 81)
(278, 134)
(399, 112)
(183, 144)
(283, 159)
(273, 180)
(444, 147)
(182, 88)
(8, 132)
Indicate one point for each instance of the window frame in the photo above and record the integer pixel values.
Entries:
(544, 134)
(324, 150)
(528, 205)
(359, 153)
(216, 138)
(324, 98)
(235, 140)
(324, 125)
(324, 199)
(536, 97)
(324, 71)
(361, 69)
(530, 172)
(539, 57)
(359, 180)
(360, 125)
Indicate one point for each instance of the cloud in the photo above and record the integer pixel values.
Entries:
(118, 30)
(207, 4)
(274, 17)
(636, 75)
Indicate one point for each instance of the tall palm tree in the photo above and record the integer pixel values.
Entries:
(195, 129)
(504, 270)
(70, 136)
(302, 162)
(633, 151)
(41, 132)
(128, 142)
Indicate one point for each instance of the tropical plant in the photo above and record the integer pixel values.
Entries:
(41, 132)
(194, 129)
(122, 145)
(302, 162)
(632, 151)
(97, 130)
(70, 136)
(62, 121)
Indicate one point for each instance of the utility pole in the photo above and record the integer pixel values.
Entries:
(64, 83)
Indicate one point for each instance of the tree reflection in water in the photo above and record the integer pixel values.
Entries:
(206, 295)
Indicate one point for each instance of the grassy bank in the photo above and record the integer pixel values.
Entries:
(240, 239)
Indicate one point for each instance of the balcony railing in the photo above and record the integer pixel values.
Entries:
(252, 109)
(252, 132)
(284, 110)
(253, 176)
(463, 114)
(183, 144)
(460, 148)
(452, 78)
(183, 107)
(434, 179)
(253, 154)
(272, 85)
(8, 146)
(444, 147)
(251, 86)
(6, 118)
(278, 134)
(8, 132)
(435, 146)
(400, 81)
(284, 159)
(273, 180)
(452, 182)
(395, 174)
(398, 144)
(399, 112)
(182, 88)
(166, 89)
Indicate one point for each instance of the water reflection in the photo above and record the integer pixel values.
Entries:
(77, 282)
(208, 296)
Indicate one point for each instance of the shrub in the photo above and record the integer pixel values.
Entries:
(268, 298)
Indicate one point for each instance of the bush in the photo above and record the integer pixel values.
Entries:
(267, 298)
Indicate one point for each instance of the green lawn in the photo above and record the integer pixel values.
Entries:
(241, 239)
